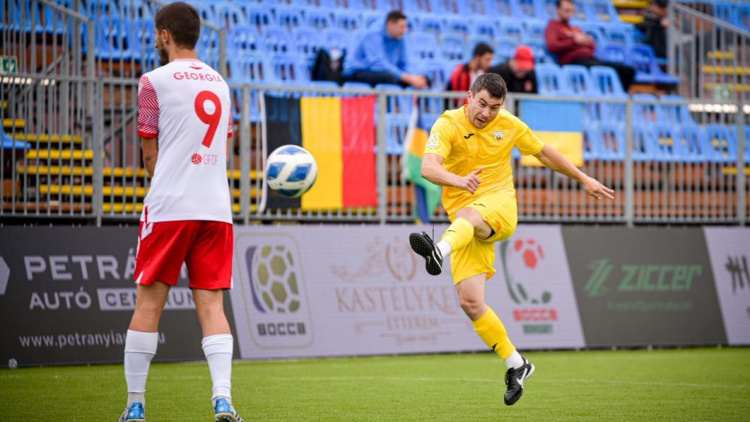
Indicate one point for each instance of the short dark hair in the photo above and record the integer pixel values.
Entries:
(395, 15)
(481, 49)
(492, 83)
(182, 21)
(559, 2)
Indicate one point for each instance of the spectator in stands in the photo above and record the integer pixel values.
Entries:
(573, 46)
(654, 27)
(380, 56)
(518, 71)
(465, 73)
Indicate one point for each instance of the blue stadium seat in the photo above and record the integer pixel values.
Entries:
(360, 5)
(347, 21)
(644, 143)
(288, 70)
(647, 70)
(498, 8)
(111, 40)
(546, 10)
(511, 28)
(276, 41)
(457, 25)
(645, 112)
(290, 18)
(356, 85)
(485, 26)
(136, 9)
(438, 72)
(320, 19)
(244, 39)
(534, 31)
(550, 81)
(142, 43)
(721, 145)
(250, 69)
(594, 30)
(692, 146)
(336, 39)
(609, 143)
(612, 52)
(623, 35)
(422, 46)
(228, 15)
(608, 81)
(432, 24)
(454, 48)
(524, 9)
(579, 81)
(505, 48)
(205, 10)
(666, 138)
(308, 42)
(260, 17)
(602, 11)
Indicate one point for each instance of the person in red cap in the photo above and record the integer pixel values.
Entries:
(518, 71)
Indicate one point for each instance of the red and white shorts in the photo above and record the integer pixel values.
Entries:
(206, 248)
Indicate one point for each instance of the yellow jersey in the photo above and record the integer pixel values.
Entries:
(466, 149)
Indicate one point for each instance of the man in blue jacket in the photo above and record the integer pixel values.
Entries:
(380, 56)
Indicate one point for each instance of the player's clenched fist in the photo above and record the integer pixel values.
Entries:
(470, 182)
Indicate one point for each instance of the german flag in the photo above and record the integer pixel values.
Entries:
(340, 134)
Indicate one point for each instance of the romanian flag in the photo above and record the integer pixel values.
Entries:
(340, 134)
(427, 194)
(557, 124)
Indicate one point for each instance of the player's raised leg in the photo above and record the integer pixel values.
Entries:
(492, 331)
(467, 224)
(140, 347)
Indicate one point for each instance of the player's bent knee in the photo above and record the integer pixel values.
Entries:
(473, 308)
(471, 215)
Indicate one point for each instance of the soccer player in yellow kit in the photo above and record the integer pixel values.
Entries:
(468, 152)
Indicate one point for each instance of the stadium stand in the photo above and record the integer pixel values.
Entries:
(276, 44)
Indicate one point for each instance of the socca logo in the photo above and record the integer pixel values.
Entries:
(196, 159)
(273, 279)
(521, 258)
(531, 254)
(398, 258)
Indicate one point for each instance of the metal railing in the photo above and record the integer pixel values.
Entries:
(710, 56)
(72, 150)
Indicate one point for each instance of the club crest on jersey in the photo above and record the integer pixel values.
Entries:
(498, 134)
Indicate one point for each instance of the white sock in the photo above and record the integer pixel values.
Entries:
(140, 348)
(514, 360)
(445, 248)
(218, 350)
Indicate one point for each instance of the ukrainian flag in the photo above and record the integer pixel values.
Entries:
(558, 124)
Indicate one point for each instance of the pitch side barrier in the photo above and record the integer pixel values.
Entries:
(67, 293)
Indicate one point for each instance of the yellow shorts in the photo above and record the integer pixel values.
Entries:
(500, 211)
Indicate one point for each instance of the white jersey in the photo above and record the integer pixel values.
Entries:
(186, 105)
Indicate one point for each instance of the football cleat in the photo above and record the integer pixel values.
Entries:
(424, 246)
(224, 411)
(134, 413)
(514, 379)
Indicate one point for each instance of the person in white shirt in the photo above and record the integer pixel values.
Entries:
(184, 121)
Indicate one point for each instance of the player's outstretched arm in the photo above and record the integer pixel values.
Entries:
(552, 158)
(433, 170)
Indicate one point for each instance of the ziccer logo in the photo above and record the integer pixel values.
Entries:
(275, 283)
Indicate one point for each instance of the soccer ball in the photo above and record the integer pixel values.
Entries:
(291, 170)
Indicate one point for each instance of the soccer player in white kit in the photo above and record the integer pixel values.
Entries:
(184, 122)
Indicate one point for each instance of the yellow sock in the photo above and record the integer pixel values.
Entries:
(459, 234)
(492, 331)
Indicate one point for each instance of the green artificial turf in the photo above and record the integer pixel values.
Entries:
(661, 385)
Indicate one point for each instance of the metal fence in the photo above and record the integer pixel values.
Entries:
(668, 161)
(711, 56)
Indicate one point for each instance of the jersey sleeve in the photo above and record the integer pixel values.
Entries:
(527, 143)
(441, 137)
(148, 109)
